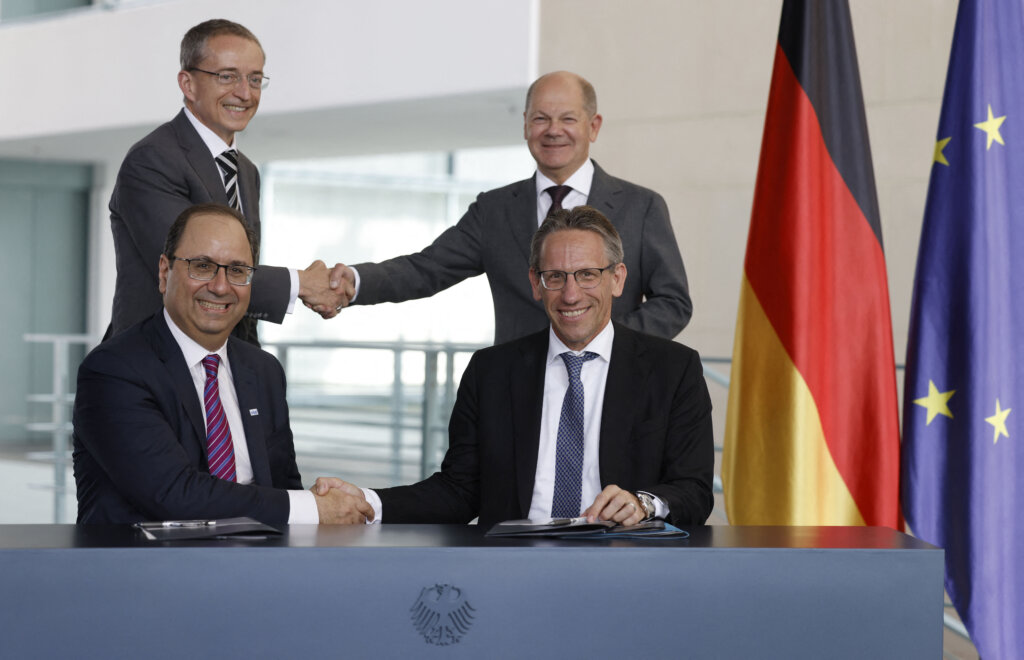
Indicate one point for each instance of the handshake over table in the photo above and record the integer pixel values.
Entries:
(340, 503)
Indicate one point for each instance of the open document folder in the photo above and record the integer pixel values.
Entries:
(580, 528)
(225, 528)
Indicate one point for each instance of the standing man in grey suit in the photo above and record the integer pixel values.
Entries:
(585, 417)
(194, 159)
(493, 237)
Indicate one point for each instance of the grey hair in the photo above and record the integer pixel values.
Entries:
(193, 44)
(585, 218)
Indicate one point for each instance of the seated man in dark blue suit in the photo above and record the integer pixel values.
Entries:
(175, 419)
(586, 417)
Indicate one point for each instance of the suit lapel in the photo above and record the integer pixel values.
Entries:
(169, 353)
(199, 158)
(627, 373)
(247, 392)
(527, 396)
(248, 179)
(522, 214)
(604, 192)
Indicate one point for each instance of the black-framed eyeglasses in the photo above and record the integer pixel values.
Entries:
(230, 79)
(586, 278)
(205, 270)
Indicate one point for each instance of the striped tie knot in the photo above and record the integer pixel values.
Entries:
(211, 363)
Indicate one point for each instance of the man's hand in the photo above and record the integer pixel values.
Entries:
(615, 504)
(324, 484)
(340, 503)
(342, 276)
(316, 292)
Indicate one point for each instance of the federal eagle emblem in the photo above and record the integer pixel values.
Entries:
(442, 615)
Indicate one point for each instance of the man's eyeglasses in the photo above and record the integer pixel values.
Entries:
(586, 278)
(229, 79)
(205, 270)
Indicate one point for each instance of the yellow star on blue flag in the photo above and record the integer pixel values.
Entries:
(936, 403)
(991, 128)
(998, 421)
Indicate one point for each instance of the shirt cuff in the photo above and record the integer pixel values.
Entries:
(378, 509)
(293, 294)
(303, 509)
(355, 273)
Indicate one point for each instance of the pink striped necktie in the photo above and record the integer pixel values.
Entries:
(220, 450)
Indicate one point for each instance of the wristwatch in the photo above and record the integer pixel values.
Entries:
(647, 502)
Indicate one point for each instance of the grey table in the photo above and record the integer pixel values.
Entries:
(444, 591)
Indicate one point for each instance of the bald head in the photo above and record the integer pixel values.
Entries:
(586, 89)
(560, 122)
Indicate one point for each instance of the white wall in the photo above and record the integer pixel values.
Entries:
(99, 69)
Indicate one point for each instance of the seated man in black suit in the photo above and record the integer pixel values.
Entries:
(175, 419)
(586, 417)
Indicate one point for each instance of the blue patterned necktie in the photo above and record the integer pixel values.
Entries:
(228, 162)
(569, 448)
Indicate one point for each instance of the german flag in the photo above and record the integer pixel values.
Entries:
(812, 432)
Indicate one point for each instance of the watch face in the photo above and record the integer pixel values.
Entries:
(647, 503)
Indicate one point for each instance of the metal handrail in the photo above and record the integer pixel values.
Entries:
(436, 402)
(60, 399)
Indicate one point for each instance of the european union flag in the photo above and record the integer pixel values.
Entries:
(963, 451)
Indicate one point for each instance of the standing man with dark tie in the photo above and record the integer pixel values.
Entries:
(493, 237)
(194, 159)
(585, 417)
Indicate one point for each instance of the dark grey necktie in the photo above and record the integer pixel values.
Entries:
(557, 194)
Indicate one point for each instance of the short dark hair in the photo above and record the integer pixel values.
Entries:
(177, 229)
(585, 218)
(193, 44)
(589, 95)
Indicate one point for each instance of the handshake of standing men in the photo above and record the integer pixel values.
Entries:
(181, 415)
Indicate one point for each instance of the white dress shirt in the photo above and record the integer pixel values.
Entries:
(302, 507)
(580, 182)
(594, 375)
(218, 146)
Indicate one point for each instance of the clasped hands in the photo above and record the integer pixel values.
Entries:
(340, 503)
(325, 291)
